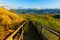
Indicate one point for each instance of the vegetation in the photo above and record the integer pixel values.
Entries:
(10, 21)
(45, 19)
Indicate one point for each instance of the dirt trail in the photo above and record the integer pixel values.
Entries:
(32, 34)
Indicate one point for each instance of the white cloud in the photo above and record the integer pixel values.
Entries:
(4, 5)
(1, 3)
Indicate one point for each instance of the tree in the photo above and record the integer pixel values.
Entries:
(11, 10)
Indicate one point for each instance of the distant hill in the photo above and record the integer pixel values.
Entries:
(36, 11)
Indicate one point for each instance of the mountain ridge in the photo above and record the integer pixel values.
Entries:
(36, 11)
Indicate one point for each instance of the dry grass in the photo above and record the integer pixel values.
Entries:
(8, 21)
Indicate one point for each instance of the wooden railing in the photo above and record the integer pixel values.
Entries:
(10, 37)
(55, 32)
(50, 30)
(42, 27)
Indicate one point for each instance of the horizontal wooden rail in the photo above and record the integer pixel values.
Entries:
(54, 32)
(50, 30)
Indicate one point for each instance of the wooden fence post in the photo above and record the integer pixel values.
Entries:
(59, 37)
(22, 33)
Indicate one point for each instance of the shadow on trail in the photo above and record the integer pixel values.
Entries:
(33, 34)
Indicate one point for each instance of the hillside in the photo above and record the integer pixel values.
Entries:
(49, 20)
(8, 22)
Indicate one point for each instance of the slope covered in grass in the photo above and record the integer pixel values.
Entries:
(9, 21)
(45, 19)
(7, 17)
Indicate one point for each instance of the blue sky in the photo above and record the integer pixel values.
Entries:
(33, 3)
